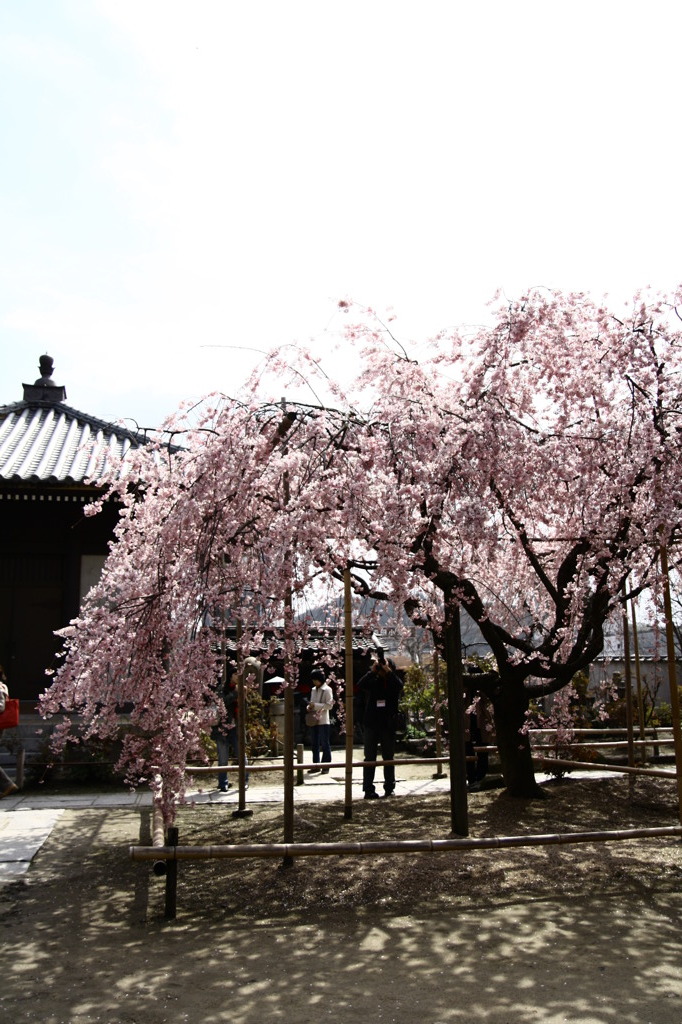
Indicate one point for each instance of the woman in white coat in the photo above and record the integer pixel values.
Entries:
(320, 704)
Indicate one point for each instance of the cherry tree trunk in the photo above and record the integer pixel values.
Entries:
(510, 704)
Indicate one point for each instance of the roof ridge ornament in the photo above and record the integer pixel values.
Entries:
(46, 367)
(45, 390)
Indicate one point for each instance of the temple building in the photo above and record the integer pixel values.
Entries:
(51, 553)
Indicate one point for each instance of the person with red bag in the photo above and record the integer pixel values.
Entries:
(8, 712)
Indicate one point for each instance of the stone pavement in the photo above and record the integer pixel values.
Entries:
(21, 836)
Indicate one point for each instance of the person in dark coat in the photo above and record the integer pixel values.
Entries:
(381, 689)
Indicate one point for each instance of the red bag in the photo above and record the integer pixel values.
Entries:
(9, 719)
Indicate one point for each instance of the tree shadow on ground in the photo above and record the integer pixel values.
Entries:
(569, 933)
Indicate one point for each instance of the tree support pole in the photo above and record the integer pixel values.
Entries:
(241, 811)
(547, 763)
(171, 900)
(349, 686)
(212, 769)
(289, 774)
(436, 699)
(289, 671)
(299, 762)
(638, 671)
(404, 846)
(674, 693)
(459, 817)
(628, 701)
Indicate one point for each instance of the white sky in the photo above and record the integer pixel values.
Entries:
(181, 175)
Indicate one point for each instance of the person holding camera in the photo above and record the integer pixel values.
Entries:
(381, 687)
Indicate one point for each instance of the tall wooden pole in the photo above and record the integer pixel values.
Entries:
(350, 725)
(436, 701)
(289, 686)
(459, 817)
(672, 677)
(628, 700)
(241, 811)
(171, 893)
(638, 674)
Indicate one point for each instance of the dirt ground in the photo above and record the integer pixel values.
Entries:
(587, 934)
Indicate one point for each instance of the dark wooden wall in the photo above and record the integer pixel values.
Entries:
(43, 535)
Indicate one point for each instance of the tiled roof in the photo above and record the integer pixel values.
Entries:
(315, 639)
(651, 644)
(52, 443)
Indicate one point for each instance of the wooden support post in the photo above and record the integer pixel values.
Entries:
(638, 674)
(436, 701)
(349, 686)
(21, 761)
(299, 762)
(290, 676)
(628, 702)
(459, 816)
(289, 771)
(171, 905)
(672, 677)
(241, 811)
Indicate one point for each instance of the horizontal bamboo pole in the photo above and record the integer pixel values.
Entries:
(256, 767)
(212, 769)
(409, 846)
(588, 746)
(603, 743)
(656, 773)
(620, 731)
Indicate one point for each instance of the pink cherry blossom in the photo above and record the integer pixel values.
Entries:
(524, 473)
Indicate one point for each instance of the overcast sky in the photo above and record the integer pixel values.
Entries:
(179, 179)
